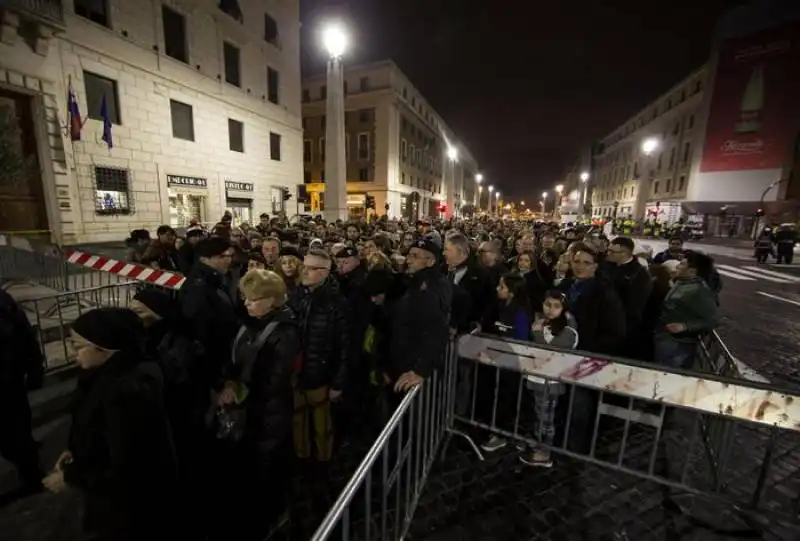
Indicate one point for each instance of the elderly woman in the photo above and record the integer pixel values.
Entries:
(119, 454)
(257, 393)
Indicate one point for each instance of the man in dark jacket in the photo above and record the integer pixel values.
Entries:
(473, 292)
(21, 369)
(209, 302)
(632, 283)
(161, 253)
(421, 322)
(325, 330)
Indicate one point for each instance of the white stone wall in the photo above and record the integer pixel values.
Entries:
(129, 53)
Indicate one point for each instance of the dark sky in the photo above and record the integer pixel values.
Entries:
(526, 88)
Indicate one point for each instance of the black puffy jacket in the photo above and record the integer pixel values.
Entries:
(421, 324)
(325, 330)
(269, 405)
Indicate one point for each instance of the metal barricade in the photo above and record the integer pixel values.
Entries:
(380, 499)
(52, 315)
(30, 266)
(683, 430)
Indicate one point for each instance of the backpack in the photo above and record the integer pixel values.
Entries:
(254, 347)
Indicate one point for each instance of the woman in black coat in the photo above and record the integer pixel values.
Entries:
(120, 453)
(256, 410)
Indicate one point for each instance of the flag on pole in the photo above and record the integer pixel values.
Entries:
(106, 123)
(75, 122)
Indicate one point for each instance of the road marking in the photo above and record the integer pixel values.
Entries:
(776, 274)
(778, 298)
(754, 274)
(736, 276)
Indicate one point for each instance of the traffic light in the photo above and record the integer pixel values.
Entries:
(369, 201)
(760, 213)
(286, 194)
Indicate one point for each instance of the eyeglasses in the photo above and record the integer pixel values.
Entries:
(310, 267)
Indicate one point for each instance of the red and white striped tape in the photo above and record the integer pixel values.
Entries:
(172, 280)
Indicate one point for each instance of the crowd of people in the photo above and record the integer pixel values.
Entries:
(287, 340)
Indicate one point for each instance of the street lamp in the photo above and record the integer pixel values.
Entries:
(585, 180)
(649, 146)
(478, 180)
(543, 202)
(497, 202)
(450, 180)
(335, 41)
(489, 207)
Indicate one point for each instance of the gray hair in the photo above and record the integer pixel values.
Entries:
(460, 241)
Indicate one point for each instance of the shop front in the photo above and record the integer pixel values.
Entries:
(239, 201)
(188, 197)
(355, 205)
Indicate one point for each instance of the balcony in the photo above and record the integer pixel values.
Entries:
(48, 12)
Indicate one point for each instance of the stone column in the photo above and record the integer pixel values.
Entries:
(335, 159)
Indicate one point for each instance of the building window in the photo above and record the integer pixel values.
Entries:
(403, 149)
(635, 169)
(690, 124)
(94, 10)
(231, 57)
(182, 120)
(323, 92)
(276, 198)
(98, 87)
(413, 101)
(322, 149)
(418, 158)
(681, 182)
(660, 156)
(270, 29)
(273, 85)
(412, 154)
(687, 152)
(275, 146)
(403, 123)
(655, 187)
(363, 84)
(676, 128)
(363, 146)
(235, 135)
(669, 186)
(174, 25)
(365, 115)
(232, 9)
(405, 93)
(322, 122)
(363, 175)
(671, 157)
(402, 178)
(307, 152)
(112, 193)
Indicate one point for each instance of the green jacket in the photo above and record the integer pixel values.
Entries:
(691, 302)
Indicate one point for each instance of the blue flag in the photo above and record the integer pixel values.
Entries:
(106, 123)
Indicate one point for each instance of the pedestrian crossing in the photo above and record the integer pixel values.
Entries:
(752, 273)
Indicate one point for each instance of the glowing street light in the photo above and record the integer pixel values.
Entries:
(452, 153)
(649, 145)
(559, 189)
(478, 178)
(522, 203)
(584, 176)
(335, 41)
(544, 195)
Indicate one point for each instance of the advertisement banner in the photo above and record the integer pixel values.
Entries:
(755, 111)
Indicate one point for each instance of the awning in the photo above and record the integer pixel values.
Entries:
(739, 208)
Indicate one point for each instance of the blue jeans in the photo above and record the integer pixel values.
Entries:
(671, 352)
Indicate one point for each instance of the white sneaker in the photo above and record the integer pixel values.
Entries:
(495, 443)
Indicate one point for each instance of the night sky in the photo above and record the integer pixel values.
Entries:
(526, 89)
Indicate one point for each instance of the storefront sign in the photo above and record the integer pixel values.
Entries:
(754, 112)
(191, 182)
(238, 186)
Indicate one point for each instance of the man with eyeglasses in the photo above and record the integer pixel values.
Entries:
(632, 283)
(420, 327)
(325, 327)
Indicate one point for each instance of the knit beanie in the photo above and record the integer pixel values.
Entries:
(157, 300)
(115, 329)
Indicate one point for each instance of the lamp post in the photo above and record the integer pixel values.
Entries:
(543, 202)
(649, 147)
(335, 42)
(478, 180)
(585, 180)
(559, 189)
(450, 181)
(497, 202)
(489, 206)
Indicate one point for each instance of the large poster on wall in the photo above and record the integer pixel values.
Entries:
(755, 111)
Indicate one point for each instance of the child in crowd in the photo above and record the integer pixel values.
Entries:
(554, 327)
